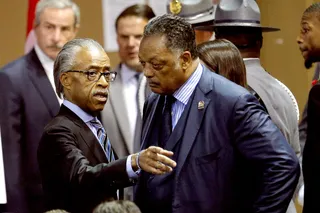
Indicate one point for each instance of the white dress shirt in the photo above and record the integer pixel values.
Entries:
(47, 64)
(130, 87)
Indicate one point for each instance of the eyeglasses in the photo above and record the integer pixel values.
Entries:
(95, 76)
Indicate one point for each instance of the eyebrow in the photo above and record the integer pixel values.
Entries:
(97, 67)
(59, 25)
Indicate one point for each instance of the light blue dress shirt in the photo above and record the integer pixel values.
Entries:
(183, 95)
(85, 117)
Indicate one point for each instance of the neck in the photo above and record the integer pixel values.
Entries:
(250, 54)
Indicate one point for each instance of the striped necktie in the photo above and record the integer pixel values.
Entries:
(103, 139)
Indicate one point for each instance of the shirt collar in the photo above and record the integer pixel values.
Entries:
(184, 93)
(127, 74)
(251, 59)
(85, 117)
(46, 62)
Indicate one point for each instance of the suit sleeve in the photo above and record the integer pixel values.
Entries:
(11, 117)
(262, 144)
(311, 154)
(59, 155)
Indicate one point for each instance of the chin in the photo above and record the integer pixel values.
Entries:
(308, 64)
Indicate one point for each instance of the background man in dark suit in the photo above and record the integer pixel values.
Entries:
(75, 157)
(309, 44)
(223, 141)
(28, 102)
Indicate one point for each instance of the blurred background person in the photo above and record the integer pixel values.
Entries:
(123, 112)
(223, 58)
(309, 45)
(28, 102)
(117, 206)
(198, 13)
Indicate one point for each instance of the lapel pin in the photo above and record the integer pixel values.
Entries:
(201, 105)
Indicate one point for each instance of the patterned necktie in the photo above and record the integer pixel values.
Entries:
(166, 121)
(103, 139)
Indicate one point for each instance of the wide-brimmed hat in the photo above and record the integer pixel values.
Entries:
(199, 13)
(239, 13)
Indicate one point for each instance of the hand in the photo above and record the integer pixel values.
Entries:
(154, 160)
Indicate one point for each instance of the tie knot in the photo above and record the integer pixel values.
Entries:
(95, 122)
(137, 76)
(170, 100)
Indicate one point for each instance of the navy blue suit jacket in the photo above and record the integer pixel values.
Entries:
(232, 158)
(28, 103)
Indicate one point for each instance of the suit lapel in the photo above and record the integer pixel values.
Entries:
(120, 110)
(87, 135)
(197, 112)
(93, 144)
(42, 84)
(150, 120)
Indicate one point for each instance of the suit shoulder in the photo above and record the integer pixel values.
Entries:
(222, 86)
(15, 67)
(59, 122)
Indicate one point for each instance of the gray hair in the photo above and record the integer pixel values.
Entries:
(57, 4)
(178, 32)
(66, 58)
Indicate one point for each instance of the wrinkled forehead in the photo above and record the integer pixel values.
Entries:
(311, 19)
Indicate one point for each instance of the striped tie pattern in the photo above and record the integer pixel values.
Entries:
(103, 139)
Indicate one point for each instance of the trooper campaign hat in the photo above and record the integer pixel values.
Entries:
(239, 13)
(199, 13)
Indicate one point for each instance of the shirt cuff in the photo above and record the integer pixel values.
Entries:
(131, 173)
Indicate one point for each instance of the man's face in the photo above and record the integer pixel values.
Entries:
(129, 34)
(161, 66)
(309, 39)
(56, 27)
(90, 96)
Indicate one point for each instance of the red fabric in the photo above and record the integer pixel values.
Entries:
(31, 14)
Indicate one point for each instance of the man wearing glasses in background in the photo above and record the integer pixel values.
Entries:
(78, 166)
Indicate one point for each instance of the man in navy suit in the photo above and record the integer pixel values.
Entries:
(28, 102)
(230, 157)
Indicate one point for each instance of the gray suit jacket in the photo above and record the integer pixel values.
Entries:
(278, 102)
(279, 105)
(116, 119)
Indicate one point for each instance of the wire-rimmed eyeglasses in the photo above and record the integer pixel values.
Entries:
(110, 76)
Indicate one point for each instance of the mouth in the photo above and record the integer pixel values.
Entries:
(101, 96)
(153, 84)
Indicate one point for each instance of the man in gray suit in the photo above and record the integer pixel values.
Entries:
(122, 114)
(240, 24)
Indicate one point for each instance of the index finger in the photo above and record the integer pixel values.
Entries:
(159, 150)
(166, 160)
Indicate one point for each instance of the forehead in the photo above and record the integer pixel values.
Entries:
(153, 46)
(131, 23)
(58, 16)
(310, 19)
(93, 56)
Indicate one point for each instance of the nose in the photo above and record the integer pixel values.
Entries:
(103, 82)
(56, 37)
(131, 41)
(147, 71)
(299, 39)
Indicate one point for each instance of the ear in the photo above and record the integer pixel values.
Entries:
(185, 60)
(76, 29)
(66, 81)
